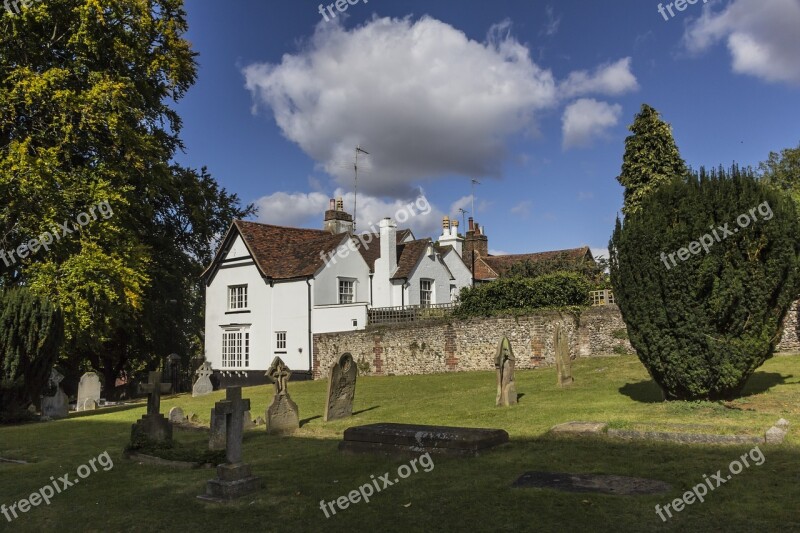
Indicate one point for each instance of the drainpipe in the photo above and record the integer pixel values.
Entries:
(370, 290)
(310, 348)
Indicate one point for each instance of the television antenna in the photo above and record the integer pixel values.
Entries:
(359, 150)
(463, 218)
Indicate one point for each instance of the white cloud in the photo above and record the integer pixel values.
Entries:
(465, 203)
(611, 79)
(300, 209)
(587, 119)
(498, 252)
(425, 100)
(522, 209)
(762, 37)
(553, 22)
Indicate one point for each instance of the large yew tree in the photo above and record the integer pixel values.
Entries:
(85, 94)
(651, 158)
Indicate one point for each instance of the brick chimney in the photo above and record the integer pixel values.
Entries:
(476, 241)
(337, 220)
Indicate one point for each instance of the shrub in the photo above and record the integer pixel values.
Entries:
(703, 325)
(560, 289)
(31, 332)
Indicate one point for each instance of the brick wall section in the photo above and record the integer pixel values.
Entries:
(450, 345)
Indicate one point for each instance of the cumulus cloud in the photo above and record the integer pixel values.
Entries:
(611, 79)
(301, 209)
(425, 100)
(587, 119)
(522, 209)
(762, 37)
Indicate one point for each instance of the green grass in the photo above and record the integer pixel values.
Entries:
(458, 494)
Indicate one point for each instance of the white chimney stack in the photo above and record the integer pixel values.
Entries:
(450, 236)
(388, 258)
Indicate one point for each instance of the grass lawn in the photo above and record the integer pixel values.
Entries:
(457, 494)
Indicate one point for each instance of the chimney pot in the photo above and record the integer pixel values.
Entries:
(339, 204)
(332, 205)
(445, 223)
(471, 224)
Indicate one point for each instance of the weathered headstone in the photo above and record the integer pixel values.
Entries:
(247, 420)
(216, 437)
(283, 417)
(401, 439)
(203, 384)
(341, 388)
(234, 478)
(176, 416)
(88, 392)
(563, 363)
(55, 403)
(504, 365)
(153, 426)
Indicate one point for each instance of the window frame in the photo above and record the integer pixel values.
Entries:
(429, 292)
(278, 341)
(235, 298)
(352, 294)
(235, 349)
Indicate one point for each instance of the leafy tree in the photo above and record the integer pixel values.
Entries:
(31, 333)
(782, 170)
(594, 271)
(704, 274)
(559, 289)
(651, 158)
(85, 118)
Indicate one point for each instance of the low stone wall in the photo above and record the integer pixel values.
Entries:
(451, 345)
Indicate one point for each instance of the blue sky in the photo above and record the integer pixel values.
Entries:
(531, 98)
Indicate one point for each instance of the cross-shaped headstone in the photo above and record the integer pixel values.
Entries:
(153, 390)
(233, 407)
(204, 371)
(280, 374)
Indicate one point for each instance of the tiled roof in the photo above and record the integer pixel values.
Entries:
(408, 255)
(371, 249)
(497, 265)
(287, 253)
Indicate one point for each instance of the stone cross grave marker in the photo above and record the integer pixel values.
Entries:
(283, 417)
(504, 365)
(56, 404)
(153, 426)
(88, 392)
(203, 384)
(234, 478)
(563, 363)
(341, 388)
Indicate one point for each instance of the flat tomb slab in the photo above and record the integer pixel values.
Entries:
(413, 438)
(567, 482)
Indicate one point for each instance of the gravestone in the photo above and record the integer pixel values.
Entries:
(401, 439)
(88, 392)
(216, 437)
(341, 389)
(176, 416)
(283, 417)
(247, 420)
(203, 384)
(234, 478)
(504, 365)
(563, 363)
(152, 426)
(55, 403)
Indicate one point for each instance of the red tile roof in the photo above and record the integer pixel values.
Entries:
(287, 253)
(408, 255)
(492, 266)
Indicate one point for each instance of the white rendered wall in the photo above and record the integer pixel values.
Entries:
(429, 267)
(289, 313)
(328, 319)
(347, 264)
(459, 270)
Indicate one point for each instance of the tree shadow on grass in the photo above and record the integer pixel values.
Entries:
(649, 392)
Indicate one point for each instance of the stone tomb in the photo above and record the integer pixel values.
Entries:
(504, 365)
(203, 384)
(283, 417)
(341, 389)
(88, 392)
(153, 426)
(403, 439)
(234, 478)
(55, 403)
(563, 362)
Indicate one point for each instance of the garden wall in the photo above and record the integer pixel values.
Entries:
(450, 345)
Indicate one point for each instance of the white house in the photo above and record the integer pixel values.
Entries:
(270, 288)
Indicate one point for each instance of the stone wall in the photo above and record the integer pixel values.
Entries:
(461, 345)
(450, 345)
